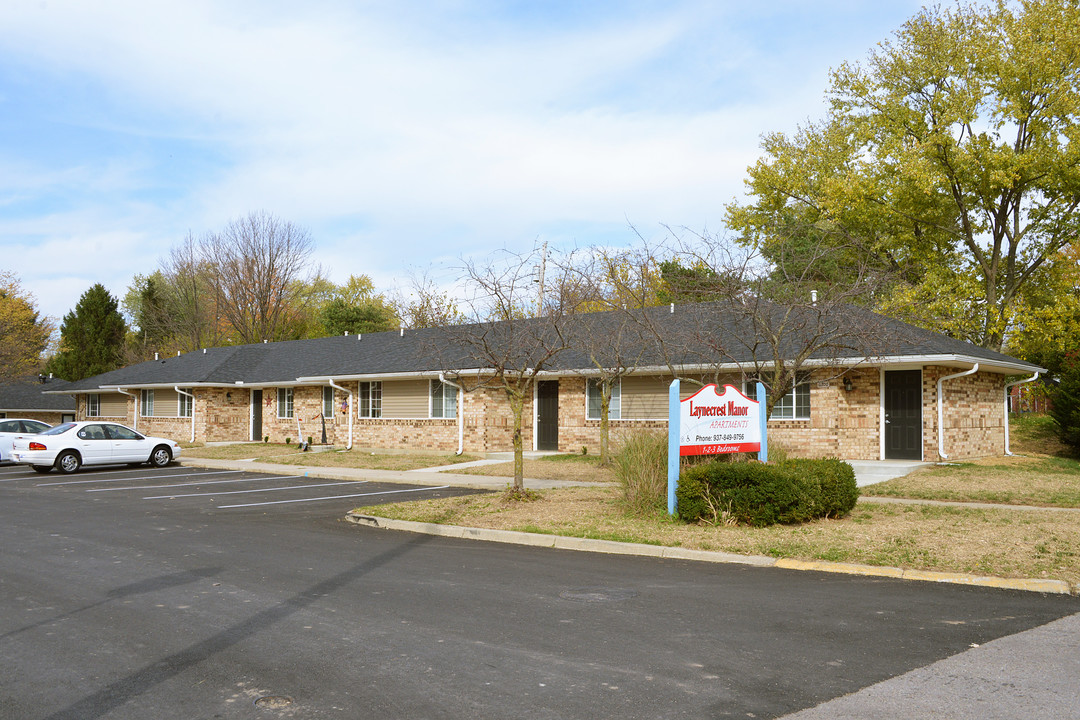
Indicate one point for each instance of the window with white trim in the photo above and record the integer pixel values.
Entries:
(370, 399)
(328, 402)
(594, 400)
(186, 403)
(285, 403)
(795, 405)
(146, 403)
(93, 405)
(443, 400)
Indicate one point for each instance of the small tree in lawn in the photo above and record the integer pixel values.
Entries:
(607, 340)
(510, 342)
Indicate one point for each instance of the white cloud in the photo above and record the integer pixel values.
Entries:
(399, 133)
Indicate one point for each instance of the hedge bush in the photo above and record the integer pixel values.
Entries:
(760, 494)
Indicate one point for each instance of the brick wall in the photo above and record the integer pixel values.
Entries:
(843, 423)
(973, 414)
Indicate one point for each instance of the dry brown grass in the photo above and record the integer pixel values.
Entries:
(1016, 480)
(582, 468)
(1003, 543)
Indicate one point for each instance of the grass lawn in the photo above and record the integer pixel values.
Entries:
(551, 467)
(998, 542)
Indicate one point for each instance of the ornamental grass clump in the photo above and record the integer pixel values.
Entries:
(760, 494)
(641, 468)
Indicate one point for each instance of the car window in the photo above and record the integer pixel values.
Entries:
(119, 432)
(33, 426)
(92, 432)
(11, 426)
(58, 429)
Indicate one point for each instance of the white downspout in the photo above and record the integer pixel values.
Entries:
(135, 424)
(183, 392)
(348, 446)
(940, 408)
(460, 413)
(1008, 387)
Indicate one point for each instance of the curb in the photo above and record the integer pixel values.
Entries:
(559, 542)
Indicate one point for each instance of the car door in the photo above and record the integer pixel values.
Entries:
(127, 445)
(8, 430)
(93, 444)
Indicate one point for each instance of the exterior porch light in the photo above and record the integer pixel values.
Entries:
(848, 386)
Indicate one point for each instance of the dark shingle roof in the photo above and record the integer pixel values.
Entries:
(30, 395)
(699, 334)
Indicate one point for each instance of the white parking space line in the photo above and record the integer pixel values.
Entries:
(241, 492)
(144, 477)
(195, 482)
(332, 497)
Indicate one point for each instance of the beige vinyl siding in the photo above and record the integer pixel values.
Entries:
(113, 405)
(166, 403)
(405, 399)
(644, 398)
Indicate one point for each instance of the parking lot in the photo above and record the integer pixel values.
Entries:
(223, 490)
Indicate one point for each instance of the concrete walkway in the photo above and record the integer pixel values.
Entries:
(867, 472)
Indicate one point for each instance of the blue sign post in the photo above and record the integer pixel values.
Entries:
(673, 431)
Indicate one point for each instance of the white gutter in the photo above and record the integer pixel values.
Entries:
(182, 392)
(334, 385)
(135, 425)
(460, 413)
(940, 408)
(1008, 387)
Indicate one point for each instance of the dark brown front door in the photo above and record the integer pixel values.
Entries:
(256, 416)
(903, 415)
(547, 415)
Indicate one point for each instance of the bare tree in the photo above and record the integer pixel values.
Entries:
(259, 263)
(608, 341)
(775, 318)
(505, 342)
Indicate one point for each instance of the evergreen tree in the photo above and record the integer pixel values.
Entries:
(1065, 401)
(91, 337)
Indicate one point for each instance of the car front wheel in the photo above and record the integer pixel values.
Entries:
(68, 462)
(161, 456)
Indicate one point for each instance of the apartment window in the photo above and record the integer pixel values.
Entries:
(593, 399)
(285, 403)
(443, 400)
(93, 405)
(328, 402)
(371, 399)
(146, 403)
(186, 403)
(795, 405)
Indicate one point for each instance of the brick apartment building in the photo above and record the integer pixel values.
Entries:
(899, 392)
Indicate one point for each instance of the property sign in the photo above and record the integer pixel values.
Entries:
(713, 423)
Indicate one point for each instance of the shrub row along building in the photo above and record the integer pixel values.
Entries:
(865, 387)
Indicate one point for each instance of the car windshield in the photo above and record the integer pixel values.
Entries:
(59, 429)
(37, 427)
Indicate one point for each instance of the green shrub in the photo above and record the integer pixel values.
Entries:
(758, 494)
(836, 486)
(752, 493)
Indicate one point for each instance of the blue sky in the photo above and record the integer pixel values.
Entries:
(404, 135)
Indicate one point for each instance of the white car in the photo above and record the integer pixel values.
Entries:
(11, 427)
(69, 446)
